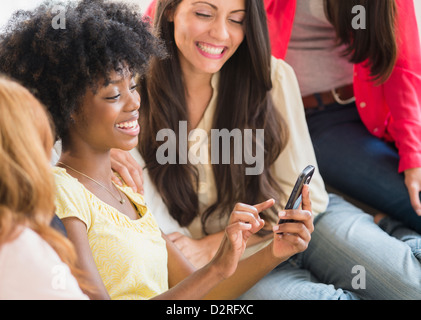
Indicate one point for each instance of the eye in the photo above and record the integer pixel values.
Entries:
(237, 18)
(203, 15)
(113, 98)
(236, 22)
(133, 87)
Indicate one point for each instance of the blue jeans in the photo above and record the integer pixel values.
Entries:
(346, 238)
(358, 164)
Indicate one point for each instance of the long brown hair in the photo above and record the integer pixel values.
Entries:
(377, 43)
(26, 181)
(244, 102)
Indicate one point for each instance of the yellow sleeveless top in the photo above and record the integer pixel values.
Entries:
(130, 255)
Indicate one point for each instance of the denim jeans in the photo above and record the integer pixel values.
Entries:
(349, 257)
(358, 164)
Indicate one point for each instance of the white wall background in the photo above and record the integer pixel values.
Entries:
(418, 13)
(8, 7)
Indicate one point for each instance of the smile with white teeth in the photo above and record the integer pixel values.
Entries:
(127, 125)
(209, 49)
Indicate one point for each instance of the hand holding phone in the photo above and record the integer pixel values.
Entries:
(296, 194)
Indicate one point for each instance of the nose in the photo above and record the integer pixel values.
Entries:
(219, 30)
(133, 101)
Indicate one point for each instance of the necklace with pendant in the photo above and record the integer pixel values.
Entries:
(121, 200)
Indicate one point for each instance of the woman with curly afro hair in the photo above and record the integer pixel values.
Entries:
(85, 75)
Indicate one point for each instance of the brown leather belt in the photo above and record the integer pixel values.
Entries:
(344, 95)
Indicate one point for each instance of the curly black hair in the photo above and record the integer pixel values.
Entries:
(58, 65)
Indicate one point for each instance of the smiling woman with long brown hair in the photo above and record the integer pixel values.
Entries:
(243, 103)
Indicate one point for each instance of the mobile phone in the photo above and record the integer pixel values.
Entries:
(296, 194)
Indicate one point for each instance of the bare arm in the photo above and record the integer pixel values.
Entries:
(205, 283)
(179, 268)
(288, 239)
(76, 231)
(212, 283)
(244, 222)
(185, 282)
(201, 251)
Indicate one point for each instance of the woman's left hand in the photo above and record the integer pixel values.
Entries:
(294, 236)
(413, 184)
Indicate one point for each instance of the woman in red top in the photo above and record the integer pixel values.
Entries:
(363, 147)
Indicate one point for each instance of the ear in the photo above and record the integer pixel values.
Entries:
(73, 118)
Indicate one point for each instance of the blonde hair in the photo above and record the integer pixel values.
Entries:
(26, 181)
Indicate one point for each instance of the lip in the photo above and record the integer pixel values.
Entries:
(133, 130)
(200, 45)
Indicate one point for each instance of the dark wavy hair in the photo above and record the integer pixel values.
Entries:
(59, 65)
(377, 44)
(244, 102)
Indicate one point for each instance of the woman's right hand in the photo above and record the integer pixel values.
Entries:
(129, 170)
(244, 222)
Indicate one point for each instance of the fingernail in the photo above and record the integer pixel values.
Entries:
(282, 214)
(246, 225)
(275, 228)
